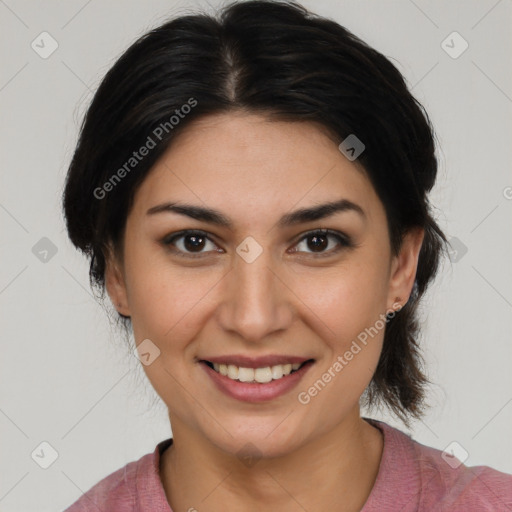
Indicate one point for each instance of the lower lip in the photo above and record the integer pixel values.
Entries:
(256, 391)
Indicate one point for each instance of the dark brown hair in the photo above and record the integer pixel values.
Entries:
(278, 59)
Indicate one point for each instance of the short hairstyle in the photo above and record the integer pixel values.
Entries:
(277, 59)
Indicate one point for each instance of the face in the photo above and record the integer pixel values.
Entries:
(263, 284)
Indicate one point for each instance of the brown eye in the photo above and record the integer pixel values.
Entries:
(318, 241)
(190, 243)
(194, 243)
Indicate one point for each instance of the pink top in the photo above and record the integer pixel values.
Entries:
(412, 478)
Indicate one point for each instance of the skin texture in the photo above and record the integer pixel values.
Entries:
(319, 456)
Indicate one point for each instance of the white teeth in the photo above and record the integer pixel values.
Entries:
(261, 375)
(245, 374)
(277, 371)
(232, 371)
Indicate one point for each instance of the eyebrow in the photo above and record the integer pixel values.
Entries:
(300, 216)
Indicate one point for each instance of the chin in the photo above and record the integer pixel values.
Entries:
(266, 439)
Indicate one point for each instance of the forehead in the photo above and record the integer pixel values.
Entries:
(249, 164)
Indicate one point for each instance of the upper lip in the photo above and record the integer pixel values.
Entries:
(256, 362)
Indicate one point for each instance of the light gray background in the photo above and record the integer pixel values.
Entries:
(67, 378)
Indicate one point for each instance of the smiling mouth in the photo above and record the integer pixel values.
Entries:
(256, 375)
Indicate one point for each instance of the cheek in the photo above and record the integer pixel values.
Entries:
(351, 301)
(168, 308)
(351, 305)
(168, 303)
(350, 298)
(162, 304)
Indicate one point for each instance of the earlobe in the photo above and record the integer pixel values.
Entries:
(404, 267)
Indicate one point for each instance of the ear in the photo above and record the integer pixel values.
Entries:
(115, 282)
(403, 268)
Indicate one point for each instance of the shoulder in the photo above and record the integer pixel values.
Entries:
(115, 490)
(449, 484)
(128, 488)
(429, 479)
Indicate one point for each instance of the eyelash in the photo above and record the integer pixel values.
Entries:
(344, 242)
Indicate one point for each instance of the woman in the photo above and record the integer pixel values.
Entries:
(252, 192)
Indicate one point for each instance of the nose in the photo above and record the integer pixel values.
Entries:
(256, 300)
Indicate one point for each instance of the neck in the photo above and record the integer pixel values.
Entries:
(334, 471)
